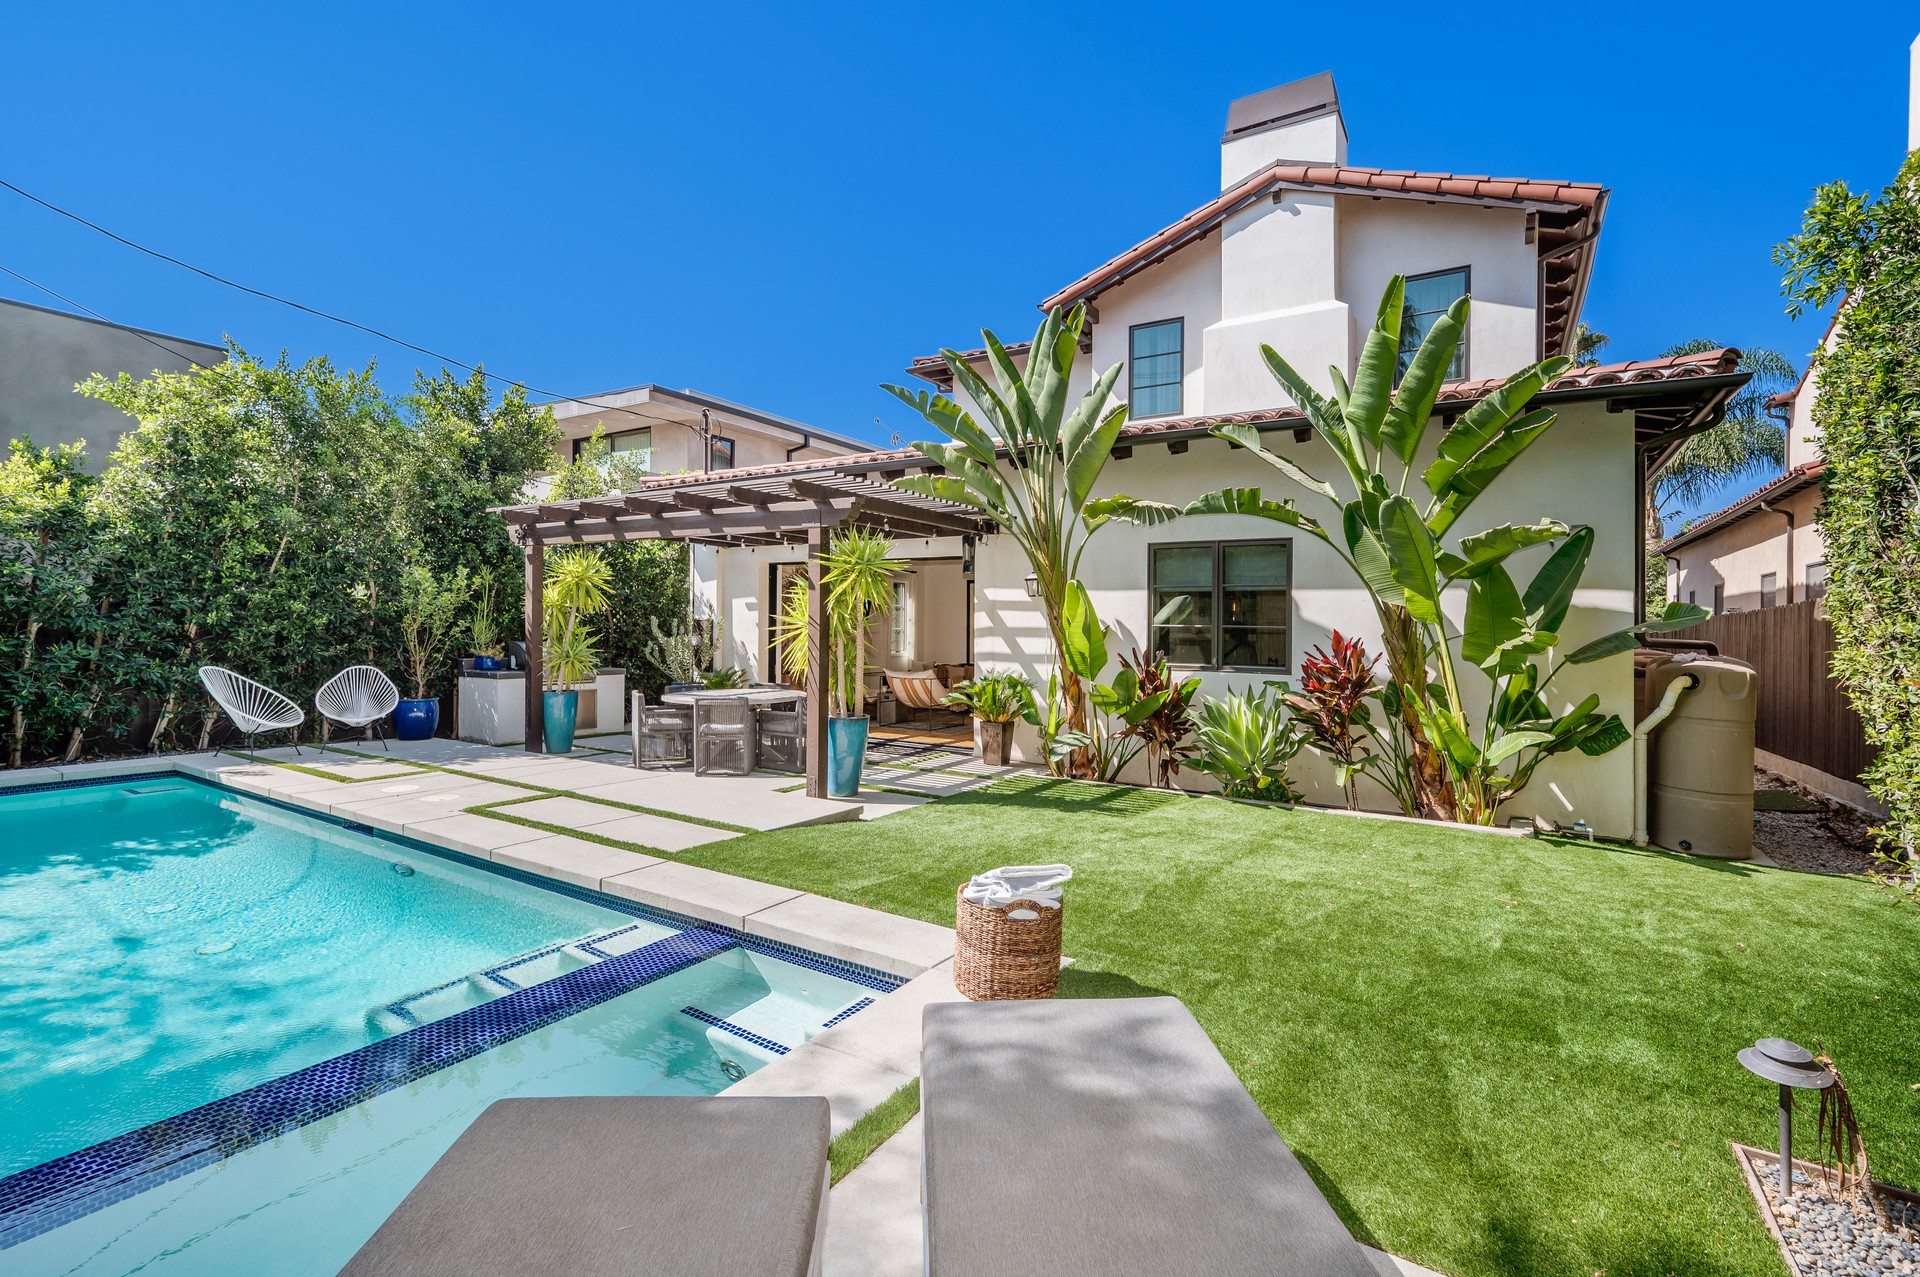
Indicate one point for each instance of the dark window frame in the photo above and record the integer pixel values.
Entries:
(1179, 383)
(715, 442)
(579, 445)
(1465, 351)
(1769, 588)
(1218, 610)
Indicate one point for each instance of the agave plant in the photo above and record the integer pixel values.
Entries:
(1242, 740)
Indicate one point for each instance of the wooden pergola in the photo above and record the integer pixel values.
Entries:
(797, 504)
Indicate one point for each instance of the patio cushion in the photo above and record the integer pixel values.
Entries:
(1107, 1136)
(697, 1187)
(918, 691)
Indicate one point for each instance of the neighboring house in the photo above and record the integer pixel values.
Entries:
(1764, 550)
(45, 353)
(1293, 252)
(681, 431)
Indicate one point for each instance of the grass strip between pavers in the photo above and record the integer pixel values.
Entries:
(491, 812)
(880, 1124)
(544, 791)
(344, 780)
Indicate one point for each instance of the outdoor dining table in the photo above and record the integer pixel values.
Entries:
(754, 696)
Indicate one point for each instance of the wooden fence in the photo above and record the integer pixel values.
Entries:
(1802, 713)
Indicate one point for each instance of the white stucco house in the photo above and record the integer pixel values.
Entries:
(1293, 250)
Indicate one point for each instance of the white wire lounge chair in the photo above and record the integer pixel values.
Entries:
(253, 707)
(358, 696)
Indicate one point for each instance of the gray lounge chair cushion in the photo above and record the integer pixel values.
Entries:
(1107, 1137)
(588, 1186)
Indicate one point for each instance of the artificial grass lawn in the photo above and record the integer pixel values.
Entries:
(1495, 1055)
(875, 1127)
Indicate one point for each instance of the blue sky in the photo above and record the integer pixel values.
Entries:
(783, 206)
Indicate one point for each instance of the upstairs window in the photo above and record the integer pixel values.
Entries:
(1769, 584)
(719, 453)
(640, 441)
(1817, 580)
(1428, 297)
(1154, 368)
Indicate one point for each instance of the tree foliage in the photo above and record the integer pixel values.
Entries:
(1746, 443)
(259, 517)
(1867, 250)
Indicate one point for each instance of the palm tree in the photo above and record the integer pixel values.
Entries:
(1745, 444)
(1587, 345)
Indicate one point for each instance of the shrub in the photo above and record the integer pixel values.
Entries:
(993, 698)
(1242, 740)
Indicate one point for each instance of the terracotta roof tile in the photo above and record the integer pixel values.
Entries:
(1804, 475)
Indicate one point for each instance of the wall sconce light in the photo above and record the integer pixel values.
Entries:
(1033, 586)
(966, 555)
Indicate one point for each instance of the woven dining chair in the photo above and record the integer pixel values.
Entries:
(723, 725)
(253, 707)
(781, 735)
(660, 735)
(358, 696)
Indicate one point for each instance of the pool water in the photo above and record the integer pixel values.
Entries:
(167, 945)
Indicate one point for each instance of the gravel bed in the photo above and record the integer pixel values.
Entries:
(1836, 839)
(1827, 1237)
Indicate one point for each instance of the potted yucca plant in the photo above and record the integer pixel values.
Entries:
(430, 604)
(857, 573)
(577, 585)
(484, 629)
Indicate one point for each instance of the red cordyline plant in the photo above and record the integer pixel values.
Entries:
(1330, 709)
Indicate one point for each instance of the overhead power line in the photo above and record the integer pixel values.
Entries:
(158, 345)
(284, 301)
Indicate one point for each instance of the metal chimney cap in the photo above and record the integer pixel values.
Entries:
(1788, 1063)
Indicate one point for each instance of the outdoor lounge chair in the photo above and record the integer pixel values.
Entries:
(358, 696)
(921, 691)
(253, 707)
(602, 1185)
(660, 735)
(1107, 1136)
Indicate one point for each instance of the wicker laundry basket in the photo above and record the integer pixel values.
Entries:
(997, 958)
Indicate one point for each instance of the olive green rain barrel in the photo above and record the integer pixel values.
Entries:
(1701, 760)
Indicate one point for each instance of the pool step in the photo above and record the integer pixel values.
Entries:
(437, 1002)
(769, 1028)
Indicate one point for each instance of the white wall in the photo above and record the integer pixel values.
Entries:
(1382, 238)
(1321, 140)
(1581, 473)
(1734, 557)
(1185, 287)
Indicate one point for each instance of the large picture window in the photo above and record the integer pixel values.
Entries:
(1240, 606)
(1155, 364)
(640, 441)
(1428, 297)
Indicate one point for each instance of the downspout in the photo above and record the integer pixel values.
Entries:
(1641, 781)
(806, 441)
(1791, 524)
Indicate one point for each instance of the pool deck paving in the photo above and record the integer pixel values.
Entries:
(874, 1223)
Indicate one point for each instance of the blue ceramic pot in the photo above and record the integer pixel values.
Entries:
(416, 719)
(559, 710)
(486, 662)
(846, 753)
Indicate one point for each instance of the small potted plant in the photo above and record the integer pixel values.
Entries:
(995, 701)
(484, 628)
(723, 679)
(430, 606)
(577, 584)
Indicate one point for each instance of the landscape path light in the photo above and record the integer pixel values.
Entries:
(1794, 1068)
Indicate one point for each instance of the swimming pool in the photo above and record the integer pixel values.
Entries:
(226, 1024)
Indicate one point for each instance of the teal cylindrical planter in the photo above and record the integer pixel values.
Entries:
(846, 754)
(560, 711)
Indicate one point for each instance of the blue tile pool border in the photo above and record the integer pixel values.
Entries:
(43, 1197)
(728, 1026)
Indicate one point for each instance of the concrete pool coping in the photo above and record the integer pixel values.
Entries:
(855, 1064)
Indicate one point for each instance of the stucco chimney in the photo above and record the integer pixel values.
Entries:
(1913, 96)
(1298, 121)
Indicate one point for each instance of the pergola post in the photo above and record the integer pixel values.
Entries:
(819, 656)
(536, 642)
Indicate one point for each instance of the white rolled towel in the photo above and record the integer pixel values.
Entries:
(997, 888)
